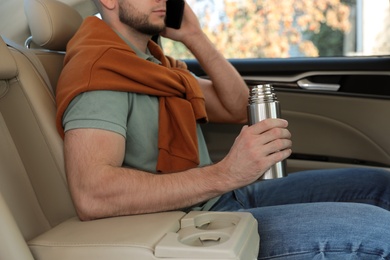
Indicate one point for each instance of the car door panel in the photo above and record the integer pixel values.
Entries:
(336, 107)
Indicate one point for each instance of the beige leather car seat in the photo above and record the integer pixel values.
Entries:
(37, 217)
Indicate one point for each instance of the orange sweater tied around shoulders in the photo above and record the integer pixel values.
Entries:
(98, 59)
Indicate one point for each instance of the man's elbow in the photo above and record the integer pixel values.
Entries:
(87, 207)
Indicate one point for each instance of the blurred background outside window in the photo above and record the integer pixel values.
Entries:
(292, 28)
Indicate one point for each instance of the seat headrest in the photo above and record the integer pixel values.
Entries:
(8, 68)
(52, 23)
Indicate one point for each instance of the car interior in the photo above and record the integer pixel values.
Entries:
(38, 220)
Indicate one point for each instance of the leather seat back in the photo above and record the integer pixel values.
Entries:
(32, 175)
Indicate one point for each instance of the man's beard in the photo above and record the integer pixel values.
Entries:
(139, 22)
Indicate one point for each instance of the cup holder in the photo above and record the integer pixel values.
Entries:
(204, 240)
(212, 235)
(215, 222)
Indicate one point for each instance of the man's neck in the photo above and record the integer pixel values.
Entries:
(138, 39)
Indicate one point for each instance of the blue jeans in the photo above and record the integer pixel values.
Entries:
(325, 214)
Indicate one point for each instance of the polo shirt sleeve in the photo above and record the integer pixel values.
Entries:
(101, 109)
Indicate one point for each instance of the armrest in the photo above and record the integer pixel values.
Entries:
(129, 237)
(169, 235)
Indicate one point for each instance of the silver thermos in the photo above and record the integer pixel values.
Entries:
(263, 104)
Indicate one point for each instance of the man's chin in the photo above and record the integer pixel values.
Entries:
(152, 30)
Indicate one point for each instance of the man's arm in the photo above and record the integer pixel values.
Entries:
(101, 187)
(226, 93)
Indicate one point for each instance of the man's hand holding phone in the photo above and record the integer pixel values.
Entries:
(189, 27)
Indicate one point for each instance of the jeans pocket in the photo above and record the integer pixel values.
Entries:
(240, 197)
(228, 202)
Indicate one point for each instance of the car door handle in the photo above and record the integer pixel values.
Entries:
(308, 85)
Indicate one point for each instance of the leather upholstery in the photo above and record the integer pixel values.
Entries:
(32, 179)
(52, 23)
(12, 244)
(8, 67)
(131, 237)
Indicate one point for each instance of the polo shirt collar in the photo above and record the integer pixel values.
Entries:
(147, 56)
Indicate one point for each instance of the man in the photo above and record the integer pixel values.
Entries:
(129, 117)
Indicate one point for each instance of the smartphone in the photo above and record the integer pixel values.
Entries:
(174, 16)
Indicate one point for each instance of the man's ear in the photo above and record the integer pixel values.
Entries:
(109, 4)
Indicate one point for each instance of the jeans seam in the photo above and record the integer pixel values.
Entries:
(366, 200)
(366, 252)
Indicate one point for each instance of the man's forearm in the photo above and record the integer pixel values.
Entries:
(227, 82)
(115, 191)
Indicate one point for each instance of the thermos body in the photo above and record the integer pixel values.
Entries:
(263, 104)
(261, 111)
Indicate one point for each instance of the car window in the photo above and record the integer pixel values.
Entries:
(292, 28)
